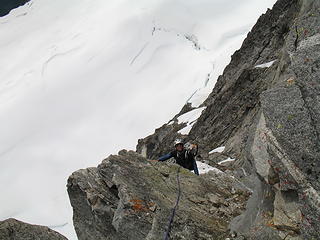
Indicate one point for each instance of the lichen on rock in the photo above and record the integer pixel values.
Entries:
(129, 197)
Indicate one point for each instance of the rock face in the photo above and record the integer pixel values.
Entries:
(128, 197)
(7, 5)
(265, 109)
(12, 229)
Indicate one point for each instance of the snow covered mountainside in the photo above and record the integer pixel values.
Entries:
(82, 79)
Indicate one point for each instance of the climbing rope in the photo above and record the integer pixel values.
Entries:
(173, 213)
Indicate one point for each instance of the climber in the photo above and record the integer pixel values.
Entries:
(184, 155)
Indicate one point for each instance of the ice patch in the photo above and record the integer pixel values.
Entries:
(190, 118)
(217, 150)
(227, 160)
(204, 168)
(186, 130)
(265, 65)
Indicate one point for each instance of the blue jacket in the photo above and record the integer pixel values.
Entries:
(184, 158)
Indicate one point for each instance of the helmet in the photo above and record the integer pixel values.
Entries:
(178, 141)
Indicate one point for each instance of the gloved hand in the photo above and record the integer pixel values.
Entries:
(193, 149)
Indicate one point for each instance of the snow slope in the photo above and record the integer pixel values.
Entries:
(81, 79)
(190, 118)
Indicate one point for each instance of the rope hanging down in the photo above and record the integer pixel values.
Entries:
(173, 213)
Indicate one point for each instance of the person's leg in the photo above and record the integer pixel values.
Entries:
(195, 167)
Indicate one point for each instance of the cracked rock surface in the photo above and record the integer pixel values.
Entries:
(12, 229)
(265, 110)
(129, 197)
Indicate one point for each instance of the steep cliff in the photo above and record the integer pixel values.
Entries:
(265, 109)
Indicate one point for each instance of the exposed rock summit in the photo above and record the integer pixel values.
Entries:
(129, 197)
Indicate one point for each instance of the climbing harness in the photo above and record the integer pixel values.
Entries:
(173, 213)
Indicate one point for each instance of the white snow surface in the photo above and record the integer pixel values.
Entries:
(218, 150)
(190, 118)
(265, 65)
(82, 79)
(205, 168)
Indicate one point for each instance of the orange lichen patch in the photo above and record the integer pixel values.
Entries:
(138, 205)
(141, 206)
(291, 81)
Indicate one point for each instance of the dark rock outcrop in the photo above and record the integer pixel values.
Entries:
(12, 229)
(7, 5)
(128, 197)
(268, 117)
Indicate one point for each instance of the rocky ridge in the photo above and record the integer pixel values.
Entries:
(12, 229)
(129, 197)
(265, 109)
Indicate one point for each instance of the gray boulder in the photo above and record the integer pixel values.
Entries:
(12, 229)
(129, 197)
